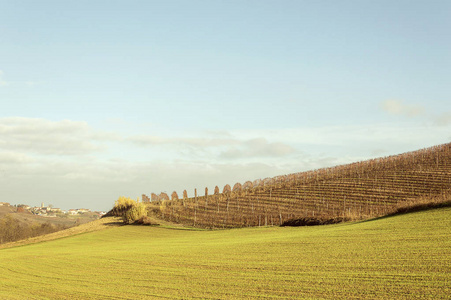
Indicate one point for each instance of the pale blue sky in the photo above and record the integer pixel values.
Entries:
(107, 98)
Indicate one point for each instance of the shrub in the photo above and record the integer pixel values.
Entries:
(136, 212)
(124, 203)
(121, 206)
(129, 209)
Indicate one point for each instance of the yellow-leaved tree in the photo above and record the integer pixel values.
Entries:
(129, 209)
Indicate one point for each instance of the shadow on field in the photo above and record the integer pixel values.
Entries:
(114, 223)
(310, 221)
(413, 209)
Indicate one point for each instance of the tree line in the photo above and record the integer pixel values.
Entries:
(12, 230)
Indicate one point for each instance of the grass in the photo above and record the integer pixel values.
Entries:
(401, 257)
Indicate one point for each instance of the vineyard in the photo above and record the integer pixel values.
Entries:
(354, 191)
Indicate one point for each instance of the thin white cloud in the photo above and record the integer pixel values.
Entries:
(13, 158)
(218, 148)
(272, 145)
(218, 133)
(47, 137)
(149, 140)
(258, 147)
(397, 107)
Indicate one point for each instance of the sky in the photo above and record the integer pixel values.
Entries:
(101, 99)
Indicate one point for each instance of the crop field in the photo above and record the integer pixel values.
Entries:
(400, 257)
(355, 191)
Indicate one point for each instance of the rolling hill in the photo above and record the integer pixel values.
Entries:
(16, 224)
(402, 257)
(355, 191)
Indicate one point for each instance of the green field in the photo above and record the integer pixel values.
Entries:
(401, 257)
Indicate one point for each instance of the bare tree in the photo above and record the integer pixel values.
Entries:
(247, 185)
(163, 196)
(227, 189)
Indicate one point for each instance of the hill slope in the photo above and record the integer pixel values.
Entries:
(401, 257)
(83, 228)
(16, 224)
(356, 191)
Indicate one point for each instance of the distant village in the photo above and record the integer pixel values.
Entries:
(50, 211)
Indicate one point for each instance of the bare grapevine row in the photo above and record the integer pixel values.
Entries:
(358, 190)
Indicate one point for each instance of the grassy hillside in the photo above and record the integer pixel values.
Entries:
(355, 191)
(401, 257)
(18, 225)
(83, 228)
(6, 209)
(64, 220)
